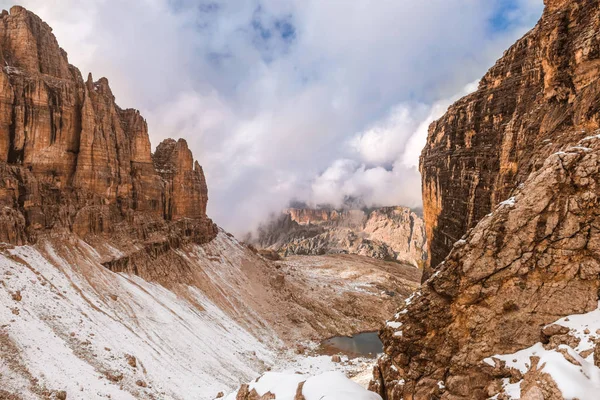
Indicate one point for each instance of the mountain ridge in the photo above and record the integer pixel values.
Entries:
(387, 233)
(73, 161)
(510, 188)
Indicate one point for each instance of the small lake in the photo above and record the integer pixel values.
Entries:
(365, 344)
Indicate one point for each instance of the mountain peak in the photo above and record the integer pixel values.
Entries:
(29, 45)
(83, 163)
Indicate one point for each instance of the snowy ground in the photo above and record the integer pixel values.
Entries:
(69, 324)
(332, 385)
(348, 379)
(61, 330)
(571, 366)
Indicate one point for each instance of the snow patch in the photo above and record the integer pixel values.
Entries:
(574, 381)
(394, 324)
(331, 385)
(509, 202)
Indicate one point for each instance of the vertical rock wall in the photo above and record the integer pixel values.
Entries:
(511, 183)
(71, 158)
(541, 95)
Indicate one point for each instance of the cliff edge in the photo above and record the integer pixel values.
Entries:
(511, 180)
(71, 160)
(539, 97)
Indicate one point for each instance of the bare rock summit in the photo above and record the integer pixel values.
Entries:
(71, 160)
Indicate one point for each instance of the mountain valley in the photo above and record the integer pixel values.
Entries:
(116, 284)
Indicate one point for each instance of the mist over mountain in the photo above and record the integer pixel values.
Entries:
(284, 100)
(414, 228)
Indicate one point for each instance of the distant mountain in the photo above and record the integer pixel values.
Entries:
(388, 233)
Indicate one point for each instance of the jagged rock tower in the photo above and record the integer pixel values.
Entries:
(71, 160)
(511, 187)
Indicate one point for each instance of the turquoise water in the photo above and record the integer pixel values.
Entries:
(365, 344)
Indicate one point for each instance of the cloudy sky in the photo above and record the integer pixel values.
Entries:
(312, 100)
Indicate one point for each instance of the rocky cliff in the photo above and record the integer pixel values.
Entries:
(511, 180)
(388, 233)
(540, 96)
(113, 281)
(71, 160)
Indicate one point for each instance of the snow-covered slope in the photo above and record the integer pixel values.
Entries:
(564, 367)
(214, 316)
(62, 329)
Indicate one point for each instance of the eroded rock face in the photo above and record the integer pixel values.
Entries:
(388, 233)
(530, 132)
(530, 262)
(72, 160)
(540, 96)
(186, 193)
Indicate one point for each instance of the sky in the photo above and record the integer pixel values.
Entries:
(315, 101)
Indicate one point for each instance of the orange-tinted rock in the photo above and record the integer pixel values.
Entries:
(304, 216)
(541, 95)
(186, 193)
(71, 159)
(529, 133)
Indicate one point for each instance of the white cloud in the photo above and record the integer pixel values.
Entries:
(271, 94)
(418, 138)
(383, 142)
(377, 186)
(384, 169)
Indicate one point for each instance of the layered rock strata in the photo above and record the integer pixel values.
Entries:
(388, 233)
(71, 160)
(540, 96)
(511, 180)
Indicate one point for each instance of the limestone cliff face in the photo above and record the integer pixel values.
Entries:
(388, 233)
(533, 260)
(541, 95)
(306, 216)
(511, 178)
(186, 193)
(72, 160)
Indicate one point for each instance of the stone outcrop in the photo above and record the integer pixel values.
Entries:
(532, 261)
(540, 96)
(71, 160)
(388, 233)
(186, 193)
(511, 179)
